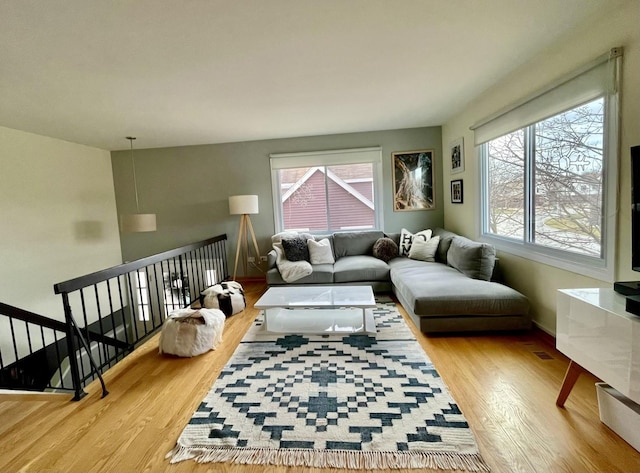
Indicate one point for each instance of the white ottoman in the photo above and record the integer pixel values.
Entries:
(190, 332)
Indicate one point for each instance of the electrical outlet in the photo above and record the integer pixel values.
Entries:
(263, 258)
(251, 259)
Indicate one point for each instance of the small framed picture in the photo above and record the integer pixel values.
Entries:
(456, 151)
(456, 191)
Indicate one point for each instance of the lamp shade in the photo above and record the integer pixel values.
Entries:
(133, 223)
(243, 204)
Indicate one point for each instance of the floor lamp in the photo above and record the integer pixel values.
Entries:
(244, 205)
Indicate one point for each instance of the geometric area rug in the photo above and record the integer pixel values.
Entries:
(358, 402)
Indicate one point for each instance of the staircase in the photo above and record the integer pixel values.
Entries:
(107, 315)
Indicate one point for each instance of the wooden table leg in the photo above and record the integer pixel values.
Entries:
(571, 376)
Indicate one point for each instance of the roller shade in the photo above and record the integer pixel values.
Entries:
(596, 79)
(326, 158)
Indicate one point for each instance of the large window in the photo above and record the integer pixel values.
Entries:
(548, 185)
(327, 191)
(555, 166)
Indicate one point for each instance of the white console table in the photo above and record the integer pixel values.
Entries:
(598, 335)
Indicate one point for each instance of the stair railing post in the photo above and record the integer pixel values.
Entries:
(72, 348)
(182, 291)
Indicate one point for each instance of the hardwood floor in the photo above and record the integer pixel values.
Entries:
(506, 385)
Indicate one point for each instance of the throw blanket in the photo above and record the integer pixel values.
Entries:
(290, 270)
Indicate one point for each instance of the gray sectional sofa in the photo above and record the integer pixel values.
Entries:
(455, 293)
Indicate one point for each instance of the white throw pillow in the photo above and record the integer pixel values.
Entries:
(406, 238)
(320, 251)
(424, 250)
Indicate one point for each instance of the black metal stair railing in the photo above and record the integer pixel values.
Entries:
(107, 315)
(40, 346)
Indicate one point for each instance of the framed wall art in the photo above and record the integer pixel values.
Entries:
(413, 178)
(456, 191)
(456, 153)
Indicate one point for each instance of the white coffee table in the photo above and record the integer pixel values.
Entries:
(338, 310)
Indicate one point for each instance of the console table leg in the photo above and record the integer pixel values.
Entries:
(571, 376)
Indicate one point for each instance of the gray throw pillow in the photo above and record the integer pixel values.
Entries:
(296, 249)
(445, 242)
(385, 249)
(473, 259)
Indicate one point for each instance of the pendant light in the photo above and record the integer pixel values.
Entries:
(138, 222)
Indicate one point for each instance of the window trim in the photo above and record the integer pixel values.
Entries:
(371, 155)
(602, 268)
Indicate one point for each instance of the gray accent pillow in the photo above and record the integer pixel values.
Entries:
(385, 249)
(473, 259)
(445, 242)
(296, 249)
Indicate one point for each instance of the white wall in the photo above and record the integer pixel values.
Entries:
(538, 281)
(58, 217)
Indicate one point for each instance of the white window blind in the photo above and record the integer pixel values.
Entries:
(326, 158)
(549, 171)
(596, 79)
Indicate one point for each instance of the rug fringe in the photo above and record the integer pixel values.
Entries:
(332, 459)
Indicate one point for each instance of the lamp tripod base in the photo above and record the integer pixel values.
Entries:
(242, 244)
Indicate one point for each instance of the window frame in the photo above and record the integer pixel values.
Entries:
(328, 158)
(601, 268)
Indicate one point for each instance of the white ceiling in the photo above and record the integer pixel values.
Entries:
(184, 72)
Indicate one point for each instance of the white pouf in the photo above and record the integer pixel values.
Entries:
(190, 332)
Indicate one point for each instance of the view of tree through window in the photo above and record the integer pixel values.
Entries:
(561, 160)
(327, 198)
(506, 185)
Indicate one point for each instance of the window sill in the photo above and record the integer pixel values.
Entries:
(596, 269)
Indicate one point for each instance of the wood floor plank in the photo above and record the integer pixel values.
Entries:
(506, 386)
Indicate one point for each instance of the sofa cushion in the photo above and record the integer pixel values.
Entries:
(321, 274)
(385, 249)
(424, 250)
(394, 236)
(473, 259)
(354, 243)
(434, 289)
(360, 268)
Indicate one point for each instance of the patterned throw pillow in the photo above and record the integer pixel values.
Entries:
(385, 249)
(406, 238)
(296, 249)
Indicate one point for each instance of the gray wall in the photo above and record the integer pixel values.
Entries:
(187, 187)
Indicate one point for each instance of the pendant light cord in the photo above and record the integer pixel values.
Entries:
(133, 166)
